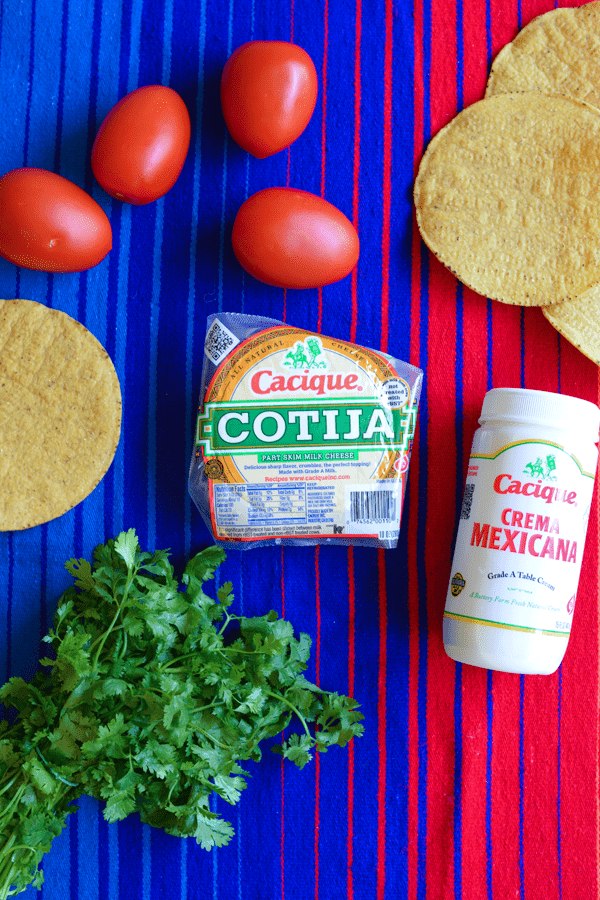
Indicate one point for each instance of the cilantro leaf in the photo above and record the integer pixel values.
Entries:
(155, 695)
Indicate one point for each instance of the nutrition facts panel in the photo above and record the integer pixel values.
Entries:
(260, 504)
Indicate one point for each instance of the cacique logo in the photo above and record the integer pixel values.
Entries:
(265, 382)
(309, 373)
(506, 484)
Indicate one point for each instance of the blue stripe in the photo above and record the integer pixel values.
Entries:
(490, 344)
(30, 84)
(113, 862)
(136, 27)
(488, 784)
(521, 785)
(247, 178)
(214, 805)
(107, 90)
(191, 388)
(238, 825)
(86, 824)
(61, 84)
(152, 374)
(224, 174)
(167, 18)
(458, 713)
(458, 766)
(559, 788)
(522, 335)
(9, 603)
(74, 859)
(146, 862)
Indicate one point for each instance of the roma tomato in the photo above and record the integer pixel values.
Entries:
(50, 224)
(268, 94)
(294, 239)
(142, 144)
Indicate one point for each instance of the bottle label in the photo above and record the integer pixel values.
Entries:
(520, 538)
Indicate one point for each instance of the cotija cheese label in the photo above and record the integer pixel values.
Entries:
(302, 437)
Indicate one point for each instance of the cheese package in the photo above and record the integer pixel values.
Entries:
(300, 438)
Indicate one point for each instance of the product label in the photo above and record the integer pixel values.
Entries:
(520, 538)
(304, 435)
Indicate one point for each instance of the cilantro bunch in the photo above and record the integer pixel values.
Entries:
(155, 695)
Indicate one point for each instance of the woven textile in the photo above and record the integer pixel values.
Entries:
(467, 783)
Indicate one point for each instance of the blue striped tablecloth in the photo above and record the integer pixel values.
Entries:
(467, 784)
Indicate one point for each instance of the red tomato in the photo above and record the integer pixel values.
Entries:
(268, 94)
(142, 144)
(48, 223)
(294, 239)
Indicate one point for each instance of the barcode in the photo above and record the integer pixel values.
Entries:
(219, 342)
(465, 511)
(372, 506)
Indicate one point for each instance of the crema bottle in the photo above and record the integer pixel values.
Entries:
(521, 533)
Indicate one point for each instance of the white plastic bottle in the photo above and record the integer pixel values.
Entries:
(521, 533)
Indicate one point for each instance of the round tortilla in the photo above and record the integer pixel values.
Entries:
(508, 197)
(557, 53)
(60, 413)
(579, 322)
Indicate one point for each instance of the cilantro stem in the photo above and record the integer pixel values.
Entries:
(211, 738)
(179, 658)
(130, 577)
(229, 617)
(294, 709)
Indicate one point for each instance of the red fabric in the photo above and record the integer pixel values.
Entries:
(531, 742)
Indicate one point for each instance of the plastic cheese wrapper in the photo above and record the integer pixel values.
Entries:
(300, 438)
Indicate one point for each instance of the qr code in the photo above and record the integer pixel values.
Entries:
(465, 511)
(219, 342)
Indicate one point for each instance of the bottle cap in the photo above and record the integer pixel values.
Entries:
(542, 408)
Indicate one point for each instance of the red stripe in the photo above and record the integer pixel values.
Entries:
(353, 326)
(356, 160)
(383, 622)
(441, 451)
(284, 319)
(504, 19)
(282, 769)
(387, 175)
(317, 758)
(579, 749)
(540, 714)
(323, 129)
(540, 764)
(324, 93)
(474, 736)
(474, 775)
(351, 675)
(474, 49)
(413, 554)
(381, 726)
(289, 156)
(540, 707)
(505, 791)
